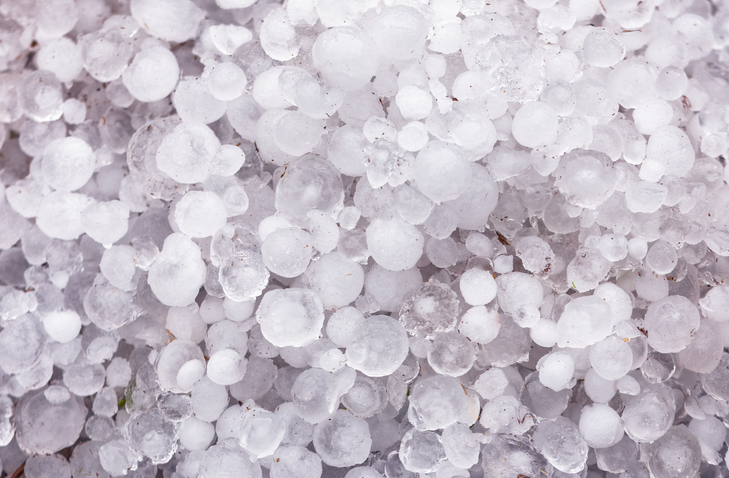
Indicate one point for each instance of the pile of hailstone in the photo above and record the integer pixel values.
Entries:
(364, 238)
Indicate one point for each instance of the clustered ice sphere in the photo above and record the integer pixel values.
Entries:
(364, 239)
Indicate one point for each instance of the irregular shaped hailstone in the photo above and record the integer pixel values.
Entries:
(44, 427)
(152, 75)
(342, 440)
(180, 364)
(671, 323)
(586, 178)
(179, 271)
(200, 214)
(187, 153)
(394, 244)
(584, 321)
(436, 402)
(68, 163)
(290, 317)
(430, 310)
(669, 151)
(346, 57)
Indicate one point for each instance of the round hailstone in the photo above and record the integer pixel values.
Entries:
(290, 317)
(68, 163)
(171, 20)
(400, 32)
(62, 325)
(478, 286)
(61, 56)
(179, 271)
(179, 365)
(186, 154)
(74, 111)
(556, 370)
(297, 134)
(480, 324)
(611, 358)
(671, 83)
(600, 426)
(41, 96)
(226, 367)
(669, 151)
(671, 323)
(394, 244)
(106, 222)
(535, 124)
(602, 48)
(228, 161)
(227, 81)
(342, 440)
(278, 37)
(441, 173)
(380, 347)
(584, 321)
(200, 214)
(227, 38)
(195, 103)
(346, 57)
(414, 103)
(152, 75)
(287, 252)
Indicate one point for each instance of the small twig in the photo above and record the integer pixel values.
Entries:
(18, 472)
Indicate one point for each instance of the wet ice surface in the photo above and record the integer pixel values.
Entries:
(362, 239)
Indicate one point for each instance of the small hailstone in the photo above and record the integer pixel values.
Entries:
(346, 57)
(556, 370)
(440, 171)
(279, 307)
(168, 20)
(535, 124)
(600, 426)
(227, 81)
(196, 434)
(227, 38)
(68, 163)
(106, 222)
(414, 103)
(74, 111)
(195, 103)
(394, 244)
(61, 56)
(179, 271)
(186, 153)
(478, 287)
(226, 367)
(200, 214)
(62, 325)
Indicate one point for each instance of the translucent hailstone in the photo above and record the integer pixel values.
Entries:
(421, 451)
(227, 38)
(106, 222)
(346, 57)
(228, 459)
(342, 440)
(62, 57)
(346, 150)
(316, 393)
(535, 124)
(556, 370)
(196, 435)
(400, 32)
(43, 427)
(440, 172)
(602, 48)
(186, 153)
(480, 324)
(613, 247)
(436, 402)
(662, 257)
(195, 103)
(288, 251)
(432, 309)
(715, 304)
(278, 37)
(389, 288)
(179, 271)
(41, 96)
(452, 354)
(62, 325)
(677, 453)
(21, 344)
(652, 114)
(227, 81)
(40, 466)
(380, 347)
(290, 317)
(297, 134)
(261, 432)
(170, 20)
(394, 244)
(366, 398)
(611, 358)
(586, 178)
(560, 442)
(649, 416)
(68, 163)
(671, 323)
(309, 183)
(200, 214)
(584, 321)
(59, 216)
(152, 74)
(600, 426)
(669, 151)
(228, 161)
(505, 414)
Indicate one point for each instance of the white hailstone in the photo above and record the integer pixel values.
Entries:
(196, 435)
(413, 136)
(227, 81)
(179, 271)
(195, 103)
(400, 32)
(68, 163)
(290, 317)
(226, 367)
(394, 244)
(478, 286)
(480, 324)
(62, 325)
(414, 103)
(287, 252)
(602, 48)
(74, 111)
(59, 216)
(152, 75)
(200, 214)
(440, 172)
(61, 56)
(346, 57)
(228, 161)
(171, 20)
(535, 124)
(556, 370)
(227, 38)
(611, 358)
(600, 426)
